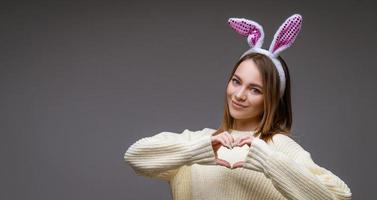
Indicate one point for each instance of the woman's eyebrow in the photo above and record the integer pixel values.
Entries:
(251, 84)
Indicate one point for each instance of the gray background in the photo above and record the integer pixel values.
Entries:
(81, 81)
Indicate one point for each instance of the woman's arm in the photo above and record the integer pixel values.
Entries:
(293, 172)
(161, 155)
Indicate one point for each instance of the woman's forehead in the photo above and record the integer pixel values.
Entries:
(248, 72)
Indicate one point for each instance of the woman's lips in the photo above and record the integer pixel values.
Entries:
(237, 105)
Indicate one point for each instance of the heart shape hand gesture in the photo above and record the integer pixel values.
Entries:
(230, 152)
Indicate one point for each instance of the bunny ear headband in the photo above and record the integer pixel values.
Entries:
(284, 38)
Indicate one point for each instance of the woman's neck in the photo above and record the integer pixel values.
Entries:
(245, 125)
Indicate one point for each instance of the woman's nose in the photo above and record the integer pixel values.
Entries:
(240, 94)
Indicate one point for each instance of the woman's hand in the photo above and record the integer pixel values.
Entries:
(248, 139)
(222, 139)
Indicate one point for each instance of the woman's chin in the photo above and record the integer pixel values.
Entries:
(237, 115)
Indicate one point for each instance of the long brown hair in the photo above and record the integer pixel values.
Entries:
(277, 115)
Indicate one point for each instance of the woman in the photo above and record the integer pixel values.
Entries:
(258, 118)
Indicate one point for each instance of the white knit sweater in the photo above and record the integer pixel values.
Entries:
(281, 169)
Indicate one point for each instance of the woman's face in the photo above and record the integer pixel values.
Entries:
(245, 89)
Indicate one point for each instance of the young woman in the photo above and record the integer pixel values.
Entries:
(258, 118)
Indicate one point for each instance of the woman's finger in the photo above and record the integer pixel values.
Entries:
(226, 141)
(244, 141)
(230, 139)
(236, 141)
(222, 162)
(216, 140)
(238, 164)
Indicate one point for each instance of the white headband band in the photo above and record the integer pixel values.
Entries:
(284, 38)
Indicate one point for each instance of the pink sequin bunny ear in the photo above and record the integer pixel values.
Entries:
(286, 34)
(250, 29)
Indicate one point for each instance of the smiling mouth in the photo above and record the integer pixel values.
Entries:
(238, 105)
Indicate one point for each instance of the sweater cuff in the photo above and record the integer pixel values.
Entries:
(202, 152)
(258, 156)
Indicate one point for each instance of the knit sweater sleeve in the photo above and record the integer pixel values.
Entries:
(161, 155)
(292, 171)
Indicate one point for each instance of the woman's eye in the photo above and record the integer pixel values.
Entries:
(235, 81)
(254, 90)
